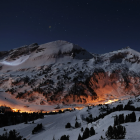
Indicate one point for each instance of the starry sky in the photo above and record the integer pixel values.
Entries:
(98, 26)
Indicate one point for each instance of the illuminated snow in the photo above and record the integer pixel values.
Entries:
(19, 61)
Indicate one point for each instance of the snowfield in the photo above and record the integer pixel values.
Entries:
(54, 125)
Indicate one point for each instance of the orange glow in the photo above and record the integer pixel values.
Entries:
(111, 101)
(57, 110)
(79, 108)
(63, 109)
(15, 110)
(18, 110)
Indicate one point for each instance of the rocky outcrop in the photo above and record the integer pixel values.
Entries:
(101, 86)
(3, 54)
(24, 50)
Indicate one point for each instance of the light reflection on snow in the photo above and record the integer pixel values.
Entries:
(79, 108)
(16, 62)
(111, 101)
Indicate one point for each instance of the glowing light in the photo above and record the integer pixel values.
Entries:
(18, 110)
(79, 108)
(63, 109)
(111, 101)
(15, 110)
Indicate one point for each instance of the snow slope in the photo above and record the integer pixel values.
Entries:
(54, 125)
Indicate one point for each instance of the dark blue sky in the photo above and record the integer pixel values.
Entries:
(97, 25)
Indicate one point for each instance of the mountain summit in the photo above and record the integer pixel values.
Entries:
(49, 53)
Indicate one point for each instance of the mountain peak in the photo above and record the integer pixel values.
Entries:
(126, 48)
(45, 54)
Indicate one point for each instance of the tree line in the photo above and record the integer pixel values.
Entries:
(12, 135)
(121, 119)
(13, 118)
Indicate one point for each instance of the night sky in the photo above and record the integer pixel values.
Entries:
(99, 26)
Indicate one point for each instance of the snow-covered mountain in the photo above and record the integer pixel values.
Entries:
(63, 73)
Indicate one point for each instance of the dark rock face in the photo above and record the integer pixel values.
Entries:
(118, 57)
(25, 50)
(4, 53)
(99, 87)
